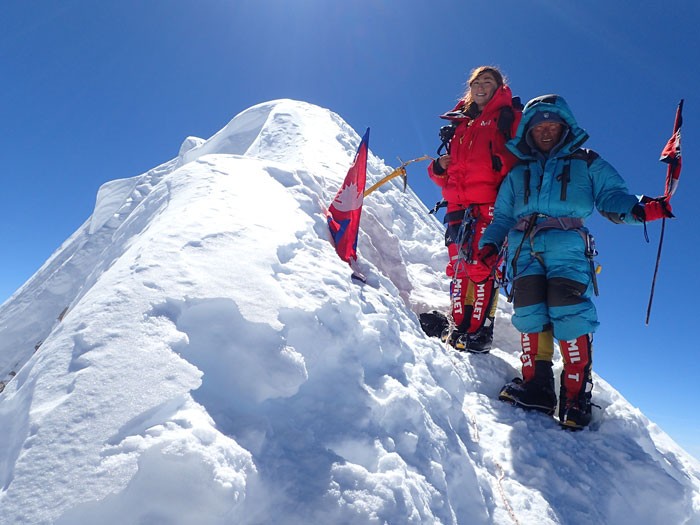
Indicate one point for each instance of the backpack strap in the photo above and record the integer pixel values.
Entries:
(526, 182)
(584, 154)
(517, 104)
(507, 116)
(564, 177)
(504, 123)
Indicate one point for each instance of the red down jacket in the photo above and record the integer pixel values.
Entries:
(471, 177)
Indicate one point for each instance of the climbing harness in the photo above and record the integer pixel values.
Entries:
(537, 222)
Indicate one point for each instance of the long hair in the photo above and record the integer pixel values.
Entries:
(500, 80)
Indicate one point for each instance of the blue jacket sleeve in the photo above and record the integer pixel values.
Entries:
(612, 198)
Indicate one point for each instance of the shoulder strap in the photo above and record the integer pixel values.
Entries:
(587, 155)
(517, 104)
(584, 154)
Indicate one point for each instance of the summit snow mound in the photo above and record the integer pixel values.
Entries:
(216, 364)
(284, 131)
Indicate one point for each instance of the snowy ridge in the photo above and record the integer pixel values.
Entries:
(217, 365)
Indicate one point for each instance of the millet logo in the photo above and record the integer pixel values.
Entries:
(479, 301)
(526, 356)
(457, 297)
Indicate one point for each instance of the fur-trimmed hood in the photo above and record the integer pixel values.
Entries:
(574, 138)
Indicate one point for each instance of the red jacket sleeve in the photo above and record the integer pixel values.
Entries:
(438, 178)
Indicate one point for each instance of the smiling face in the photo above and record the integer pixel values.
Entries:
(482, 89)
(546, 135)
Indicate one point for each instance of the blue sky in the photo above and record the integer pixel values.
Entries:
(94, 91)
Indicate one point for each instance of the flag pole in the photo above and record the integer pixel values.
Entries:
(656, 269)
(670, 188)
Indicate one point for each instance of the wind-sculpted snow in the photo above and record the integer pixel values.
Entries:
(34, 311)
(217, 365)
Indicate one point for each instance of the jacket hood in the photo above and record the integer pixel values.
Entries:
(575, 136)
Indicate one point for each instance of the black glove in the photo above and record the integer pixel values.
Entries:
(437, 169)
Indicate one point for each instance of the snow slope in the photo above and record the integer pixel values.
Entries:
(215, 364)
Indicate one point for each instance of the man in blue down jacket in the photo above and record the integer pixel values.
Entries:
(540, 210)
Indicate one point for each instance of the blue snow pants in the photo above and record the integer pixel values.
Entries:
(552, 283)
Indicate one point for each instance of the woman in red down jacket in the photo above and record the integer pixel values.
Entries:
(470, 175)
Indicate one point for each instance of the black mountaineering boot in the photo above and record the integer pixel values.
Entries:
(480, 341)
(536, 394)
(575, 414)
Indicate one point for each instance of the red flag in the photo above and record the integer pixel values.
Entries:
(344, 212)
(671, 154)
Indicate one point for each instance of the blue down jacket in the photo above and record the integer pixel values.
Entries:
(568, 183)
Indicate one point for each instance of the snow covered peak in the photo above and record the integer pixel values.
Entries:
(288, 131)
(197, 353)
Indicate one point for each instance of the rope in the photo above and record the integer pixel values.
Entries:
(503, 494)
(477, 439)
